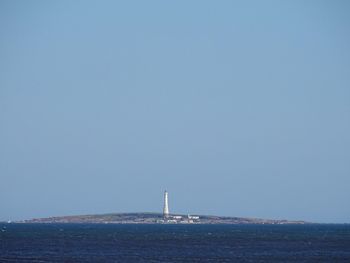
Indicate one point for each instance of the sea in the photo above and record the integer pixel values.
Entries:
(174, 243)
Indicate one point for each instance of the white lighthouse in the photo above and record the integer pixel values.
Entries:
(166, 205)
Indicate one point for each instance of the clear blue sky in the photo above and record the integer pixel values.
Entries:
(238, 108)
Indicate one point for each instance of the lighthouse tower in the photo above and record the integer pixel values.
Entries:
(166, 205)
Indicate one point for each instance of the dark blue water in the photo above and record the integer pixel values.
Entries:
(174, 243)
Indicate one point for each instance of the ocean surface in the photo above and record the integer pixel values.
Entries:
(174, 243)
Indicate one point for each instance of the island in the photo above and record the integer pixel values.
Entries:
(157, 218)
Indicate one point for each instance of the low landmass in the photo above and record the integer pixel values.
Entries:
(154, 218)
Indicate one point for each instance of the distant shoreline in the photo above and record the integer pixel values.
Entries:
(157, 218)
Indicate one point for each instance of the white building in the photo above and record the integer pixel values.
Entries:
(166, 205)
